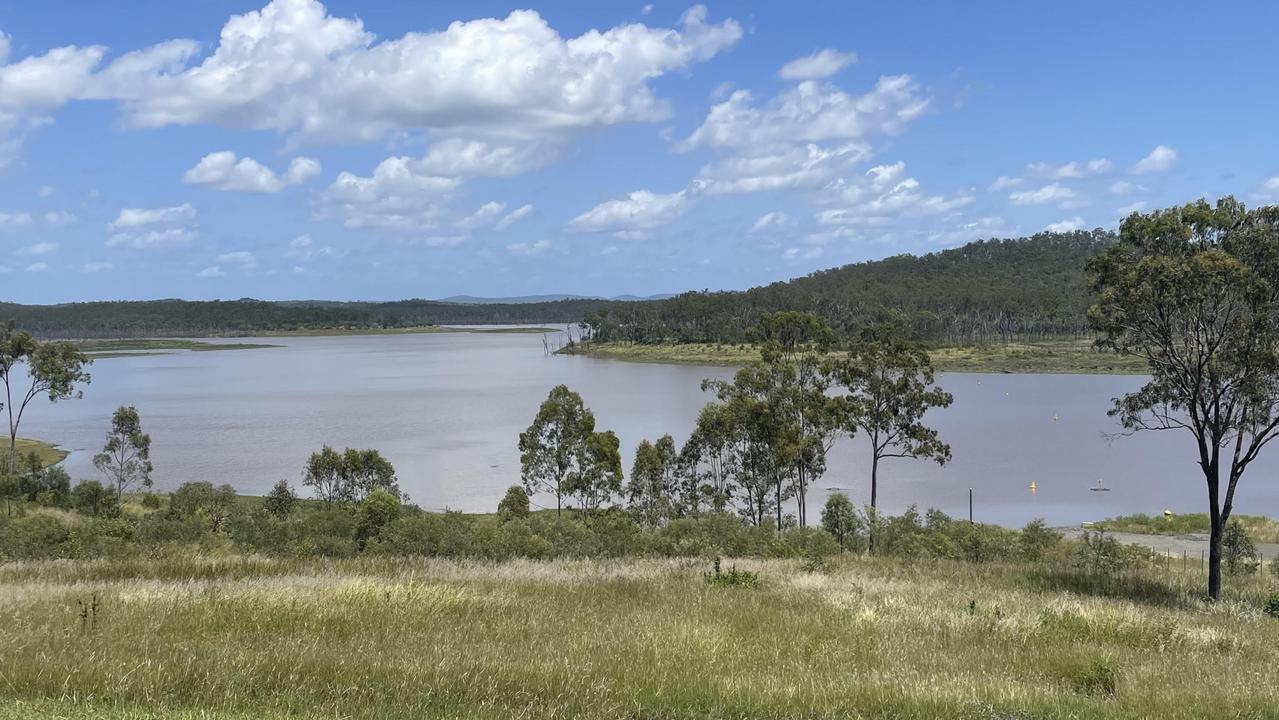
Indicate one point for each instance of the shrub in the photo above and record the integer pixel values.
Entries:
(1238, 550)
(1272, 605)
(841, 519)
(1100, 554)
(280, 501)
(374, 513)
(151, 501)
(202, 500)
(731, 577)
(34, 537)
(1037, 541)
(514, 504)
(91, 498)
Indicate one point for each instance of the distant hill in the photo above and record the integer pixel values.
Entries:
(989, 290)
(527, 299)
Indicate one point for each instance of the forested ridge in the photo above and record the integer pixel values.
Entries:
(986, 291)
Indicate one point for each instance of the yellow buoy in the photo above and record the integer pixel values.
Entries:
(1033, 487)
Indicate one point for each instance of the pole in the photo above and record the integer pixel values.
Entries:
(970, 506)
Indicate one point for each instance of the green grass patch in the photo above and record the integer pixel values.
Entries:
(1259, 529)
(48, 453)
(1055, 356)
(228, 638)
(128, 347)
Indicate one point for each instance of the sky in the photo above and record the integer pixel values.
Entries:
(376, 150)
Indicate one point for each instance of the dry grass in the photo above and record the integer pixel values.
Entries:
(414, 638)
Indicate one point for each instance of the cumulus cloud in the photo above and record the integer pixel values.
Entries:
(770, 221)
(1070, 225)
(151, 238)
(513, 217)
(634, 215)
(138, 217)
(1123, 187)
(780, 167)
(224, 171)
(37, 267)
(95, 267)
(821, 64)
(1070, 171)
(990, 226)
(213, 271)
(1160, 159)
(1003, 182)
(40, 248)
(529, 248)
(293, 67)
(884, 195)
(1054, 193)
(811, 112)
(9, 220)
(33, 87)
(1126, 210)
(486, 215)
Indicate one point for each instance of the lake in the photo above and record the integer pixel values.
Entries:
(446, 409)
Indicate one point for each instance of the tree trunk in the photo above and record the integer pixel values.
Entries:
(874, 494)
(1217, 526)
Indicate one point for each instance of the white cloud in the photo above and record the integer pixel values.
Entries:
(513, 217)
(1160, 159)
(1272, 183)
(795, 253)
(1127, 210)
(780, 167)
(529, 248)
(1070, 225)
(94, 267)
(10, 220)
(40, 248)
(242, 258)
(1123, 187)
(1053, 193)
(982, 228)
(634, 215)
(883, 195)
(59, 218)
(300, 242)
(212, 271)
(138, 217)
(1003, 182)
(46, 190)
(819, 65)
(151, 238)
(486, 215)
(5, 269)
(33, 87)
(223, 171)
(769, 221)
(811, 112)
(37, 267)
(293, 67)
(1071, 170)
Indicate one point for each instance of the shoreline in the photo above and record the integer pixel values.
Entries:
(1049, 357)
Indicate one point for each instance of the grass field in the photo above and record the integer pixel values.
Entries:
(419, 638)
(102, 349)
(424, 329)
(1057, 356)
(1259, 529)
(49, 453)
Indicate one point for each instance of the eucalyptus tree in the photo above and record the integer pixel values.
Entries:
(754, 437)
(126, 457)
(349, 476)
(887, 386)
(652, 490)
(562, 454)
(709, 462)
(53, 369)
(1194, 291)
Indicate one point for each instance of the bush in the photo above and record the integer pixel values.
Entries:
(1238, 550)
(1100, 554)
(373, 514)
(1272, 605)
(151, 501)
(91, 498)
(514, 504)
(280, 501)
(203, 501)
(731, 577)
(35, 537)
(841, 519)
(1037, 541)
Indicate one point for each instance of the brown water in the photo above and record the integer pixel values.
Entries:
(446, 409)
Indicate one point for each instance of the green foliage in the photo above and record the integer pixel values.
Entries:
(1271, 607)
(374, 513)
(1100, 554)
(562, 454)
(718, 577)
(1238, 550)
(1094, 676)
(841, 519)
(652, 490)
(279, 502)
(204, 502)
(350, 476)
(91, 498)
(53, 369)
(151, 501)
(1037, 540)
(126, 457)
(514, 504)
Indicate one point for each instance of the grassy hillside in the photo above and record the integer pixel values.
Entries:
(419, 638)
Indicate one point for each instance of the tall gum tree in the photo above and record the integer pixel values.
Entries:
(1194, 291)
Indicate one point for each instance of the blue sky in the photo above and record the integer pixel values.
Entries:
(213, 149)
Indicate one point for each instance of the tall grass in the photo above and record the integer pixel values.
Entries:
(414, 638)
